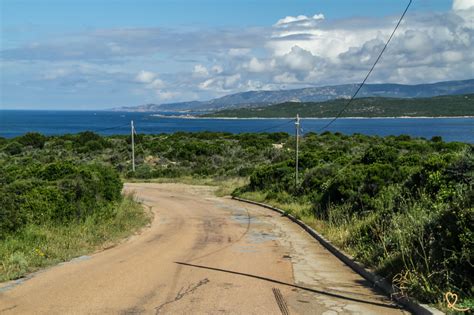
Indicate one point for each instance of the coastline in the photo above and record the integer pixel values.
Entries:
(307, 118)
(18, 123)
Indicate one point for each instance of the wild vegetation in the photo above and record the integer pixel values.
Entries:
(53, 208)
(439, 106)
(400, 205)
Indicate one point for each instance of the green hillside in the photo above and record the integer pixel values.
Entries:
(452, 105)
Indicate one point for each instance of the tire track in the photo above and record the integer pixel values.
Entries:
(280, 301)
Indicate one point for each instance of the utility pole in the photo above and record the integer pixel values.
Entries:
(133, 147)
(297, 125)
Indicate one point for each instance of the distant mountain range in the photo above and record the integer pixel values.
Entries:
(312, 94)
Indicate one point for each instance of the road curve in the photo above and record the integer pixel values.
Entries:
(201, 255)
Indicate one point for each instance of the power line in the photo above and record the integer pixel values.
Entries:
(370, 71)
(110, 128)
(273, 127)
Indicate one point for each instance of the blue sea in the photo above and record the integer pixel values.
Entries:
(17, 122)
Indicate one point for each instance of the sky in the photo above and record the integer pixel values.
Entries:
(99, 54)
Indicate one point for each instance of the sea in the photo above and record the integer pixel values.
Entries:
(15, 123)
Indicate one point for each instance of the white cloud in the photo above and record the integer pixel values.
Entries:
(299, 59)
(254, 65)
(290, 19)
(156, 84)
(453, 56)
(150, 81)
(114, 47)
(200, 71)
(427, 46)
(296, 51)
(462, 4)
(319, 16)
(235, 52)
(145, 76)
(300, 19)
(206, 84)
(165, 95)
(55, 74)
(285, 78)
(217, 69)
(222, 83)
(231, 81)
(416, 41)
(321, 40)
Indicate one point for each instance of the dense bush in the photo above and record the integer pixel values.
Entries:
(68, 178)
(13, 148)
(405, 205)
(60, 197)
(60, 193)
(32, 139)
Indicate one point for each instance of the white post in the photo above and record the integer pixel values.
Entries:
(297, 125)
(133, 148)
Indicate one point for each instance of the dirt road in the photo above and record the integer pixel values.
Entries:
(201, 255)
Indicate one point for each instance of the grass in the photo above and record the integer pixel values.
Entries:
(341, 230)
(188, 180)
(225, 185)
(337, 234)
(39, 246)
(302, 211)
(228, 185)
(257, 196)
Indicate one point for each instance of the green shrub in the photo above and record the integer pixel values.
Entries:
(13, 148)
(83, 137)
(379, 154)
(11, 219)
(400, 205)
(61, 193)
(33, 139)
(57, 170)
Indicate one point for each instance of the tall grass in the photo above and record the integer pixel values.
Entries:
(224, 185)
(38, 246)
(404, 246)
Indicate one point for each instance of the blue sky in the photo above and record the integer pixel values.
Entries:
(100, 54)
